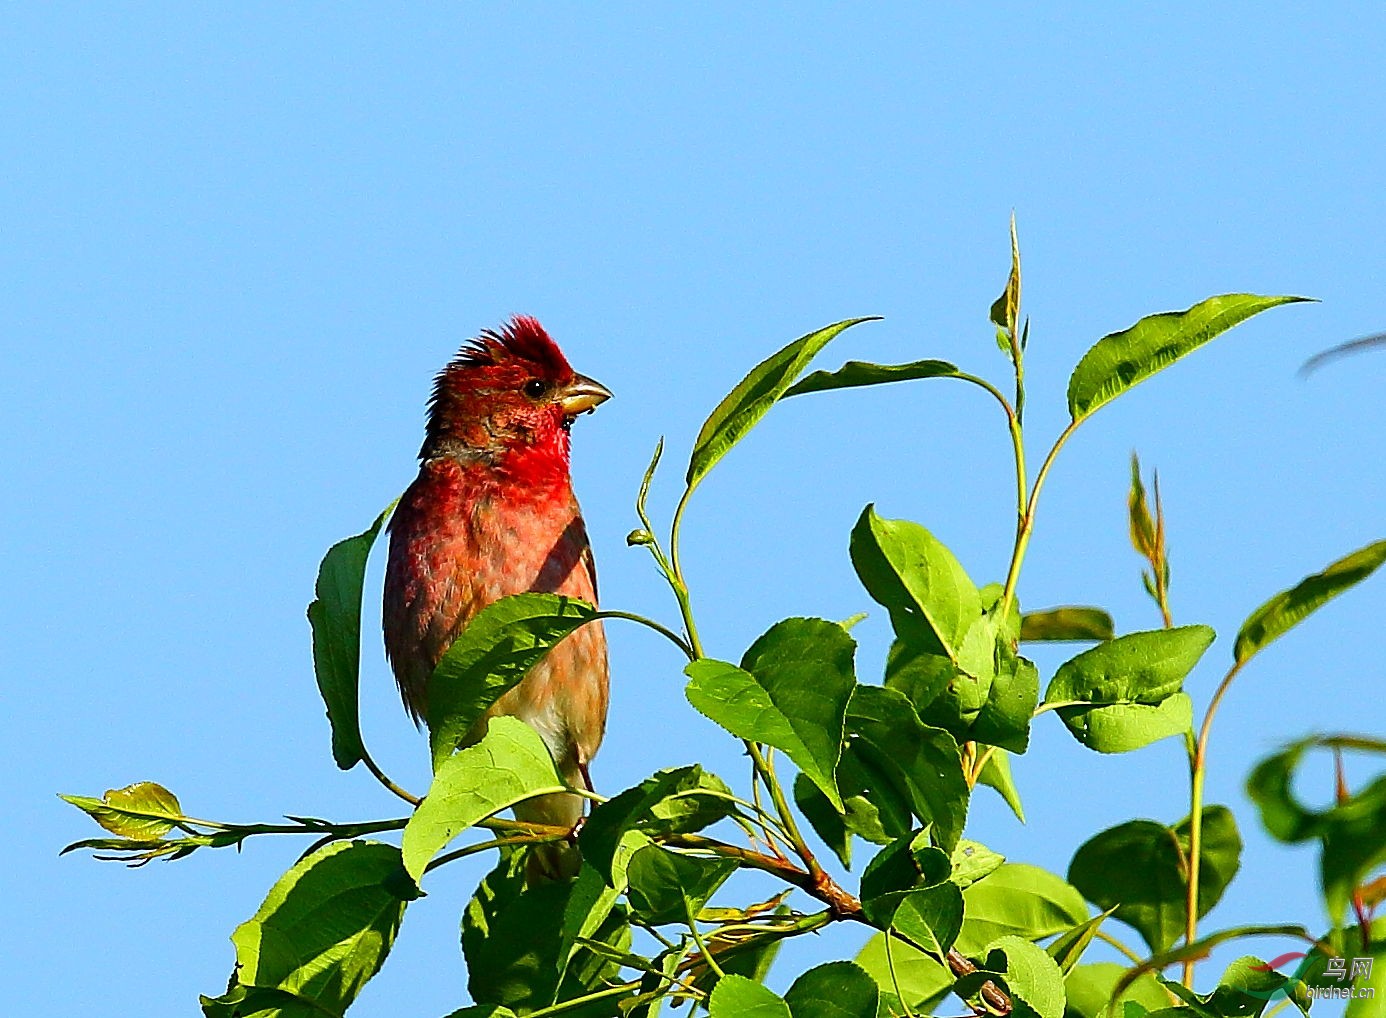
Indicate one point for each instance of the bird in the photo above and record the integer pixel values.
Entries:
(492, 513)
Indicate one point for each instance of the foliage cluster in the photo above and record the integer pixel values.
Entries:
(890, 763)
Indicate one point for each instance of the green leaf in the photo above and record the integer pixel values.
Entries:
(1072, 622)
(144, 811)
(996, 773)
(679, 800)
(914, 575)
(924, 761)
(1005, 310)
(1244, 991)
(1128, 689)
(1005, 717)
(510, 764)
(511, 939)
(490, 657)
(323, 930)
(839, 989)
(1068, 948)
(823, 817)
(1119, 361)
(1020, 900)
(252, 1002)
(1136, 869)
(668, 887)
(483, 1011)
(972, 861)
(906, 887)
(790, 692)
(1290, 607)
(1031, 977)
(335, 618)
(754, 395)
(739, 997)
(1089, 987)
(921, 979)
(858, 373)
(1349, 832)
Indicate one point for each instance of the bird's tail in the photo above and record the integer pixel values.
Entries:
(554, 860)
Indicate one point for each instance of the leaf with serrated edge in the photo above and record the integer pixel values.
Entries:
(754, 395)
(791, 693)
(491, 656)
(738, 997)
(326, 925)
(839, 989)
(1288, 608)
(510, 764)
(335, 618)
(1119, 361)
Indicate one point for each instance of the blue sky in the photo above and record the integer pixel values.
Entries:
(239, 240)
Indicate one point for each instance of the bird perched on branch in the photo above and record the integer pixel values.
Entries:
(492, 513)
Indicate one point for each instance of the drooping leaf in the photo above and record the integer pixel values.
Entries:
(1020, 900)
(1121, 360)
(325, 927)
(1136, 870)
(1005, 717)
(1349, 832)
(510, 764)
(254, 1002)
(790, 692)
(839, 989)
(1030, 977)
(910, 572)
(679, 800)
(667, 887)
(1126, 692)
(144, 811)
(923, 760)
(1290, 607)
(491, 656)
(754, 395)
(335, 618)
(823, 817)
(906, 887)
(859, 373)
(1072, 622)
(996, 773)
(739, 997)
(511, 939)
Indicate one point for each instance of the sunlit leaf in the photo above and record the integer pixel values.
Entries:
(510, 764)
(924, 760)
(491, 656)
(1020, 900)
(335, 618)
(144, 811)
(754, 395)
(1288, 608)
(839, 989)
(667, 887)
(910, 572)
(739, 997)
(326, 926)
(790, 692)
(1119, 361)
(996, 773)
(1125, 693)
(1030, 977)
(1089, 987)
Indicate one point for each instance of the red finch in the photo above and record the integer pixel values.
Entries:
(492, 513)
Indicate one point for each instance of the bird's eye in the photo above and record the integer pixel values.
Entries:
(535, 388)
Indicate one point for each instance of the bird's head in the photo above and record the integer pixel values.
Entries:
(507, 391)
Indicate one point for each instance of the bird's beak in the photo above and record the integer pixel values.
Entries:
(582, 394)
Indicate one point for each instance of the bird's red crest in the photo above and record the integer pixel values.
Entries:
(523, 338)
